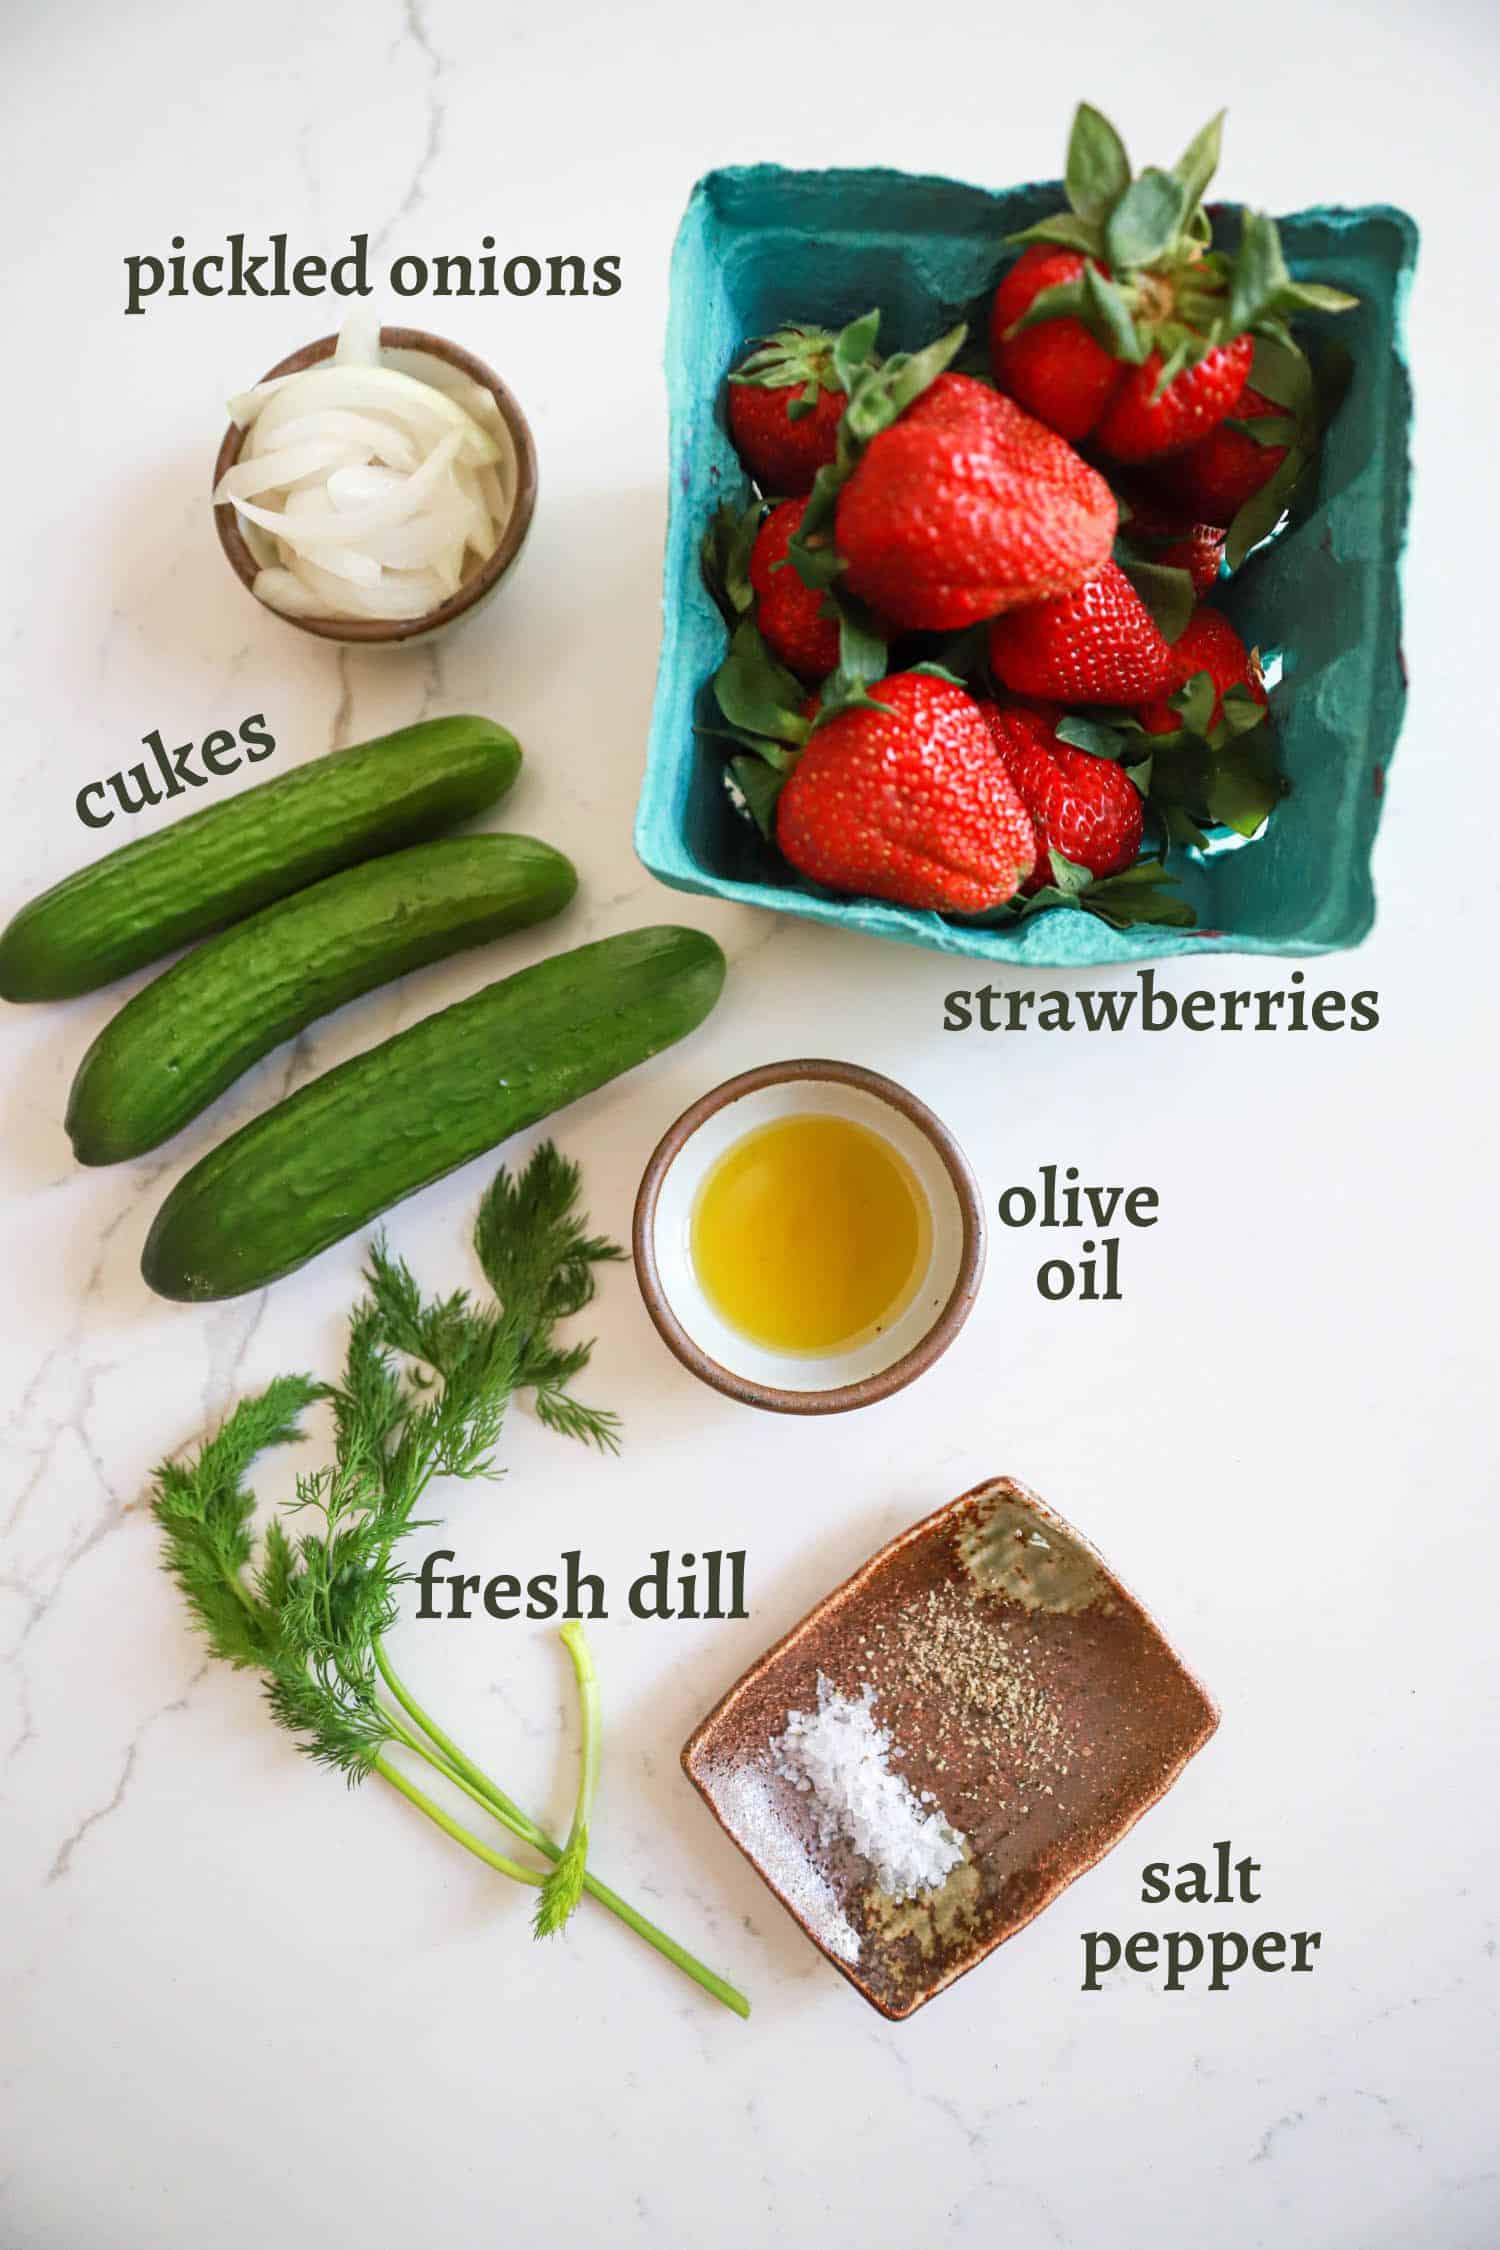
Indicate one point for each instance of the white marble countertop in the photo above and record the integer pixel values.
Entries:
(241, 2007)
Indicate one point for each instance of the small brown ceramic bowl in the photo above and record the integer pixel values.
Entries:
(1030, 1703)
(875, 1365)
(510, 428)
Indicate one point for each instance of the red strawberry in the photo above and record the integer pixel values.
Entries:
(1136, 425)
(1069, 380)
(1056, 370)
(1208, 643)
(965, 507)
(787, 612)
(1100, 645)
(1126, 287)
(1087, 809)
(1222, 471)
(908, 803)
(785, 405)
(1168, 535)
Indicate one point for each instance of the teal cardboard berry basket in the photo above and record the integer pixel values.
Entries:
(759, 246)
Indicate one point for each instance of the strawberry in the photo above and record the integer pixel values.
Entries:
(1208, 643)
(785, 404)
(788, 613)
(1086, 809)
(1222, 471)
(1060, 372)
(1145, 418)
(1120, 323)
(1168, 535)
(1099, 645)
(1057, 371)
(908, 802)
(964, 507)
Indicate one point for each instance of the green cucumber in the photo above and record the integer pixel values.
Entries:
(176, 1046)
(225, 862)
(343, 1149)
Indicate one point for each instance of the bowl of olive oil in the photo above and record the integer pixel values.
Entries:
(808, 1237)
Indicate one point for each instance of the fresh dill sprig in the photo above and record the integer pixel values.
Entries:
(540, 1262)
(422, 1394)
(564, 1886)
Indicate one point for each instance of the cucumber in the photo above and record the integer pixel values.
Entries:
(377, 1128)
(176, 1046)
(223, 863)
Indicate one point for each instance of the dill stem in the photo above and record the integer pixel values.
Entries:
(511, 1816)
(453, 1828)
(450, 1773)
(589, 1720)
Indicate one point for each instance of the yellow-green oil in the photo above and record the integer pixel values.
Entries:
(811, 1234)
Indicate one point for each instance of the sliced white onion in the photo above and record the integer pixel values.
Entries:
(420, 544)
(276, 472)
(421, 410)
(360, 483)
(376, 433)
(282, 589)
(359, 339)
(369, 485)
(348, 530)
(352, 564)
(400, 594)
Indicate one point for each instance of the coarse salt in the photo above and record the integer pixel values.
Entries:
(840, 1754)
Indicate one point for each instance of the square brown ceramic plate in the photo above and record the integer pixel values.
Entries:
(1028, 1698)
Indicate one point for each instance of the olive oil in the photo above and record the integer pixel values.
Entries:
(811, 1234)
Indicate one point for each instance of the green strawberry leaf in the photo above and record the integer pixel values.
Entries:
(1142, 893)
(1146, 221)
(1200, 160)
(1241, 713)
(1263, 510)
(1259, 273)
(928, 670)
(1067, 878)
(1098, 169)
(782, 755)
(725, 558)
(1067, 230)
(1097, 736)
(813, 555)
(1194, 704)
(863, 655)
(911, 373)
(1094, 299)
(1062, 299)
(795, 354)
(1284, 377)
(1140, 774)
(1181, 348)
(854, 348)
(1107, 317)
(1262, 291)
(1180, 829)
(1166, 591)
(1265, 429)
(755, 692)
(1235, 787)
(1316, 296)
(835, 698)
(759, 786)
